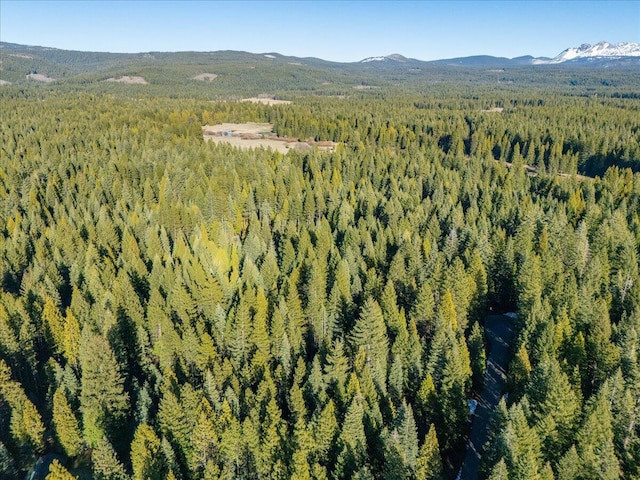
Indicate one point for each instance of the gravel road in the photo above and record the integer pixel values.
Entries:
(499, 331)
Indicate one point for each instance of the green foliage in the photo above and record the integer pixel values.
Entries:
(66, 425)
(595, 442)
(104, 403)
(370, 334)
(146, 459)
(555, 406)
(58, 472)
(477, 354)
(106, 465)
(173, 308)
(21, 419)
(429, 464)
(500, 471)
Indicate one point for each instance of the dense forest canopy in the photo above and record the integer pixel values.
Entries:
(177, 309)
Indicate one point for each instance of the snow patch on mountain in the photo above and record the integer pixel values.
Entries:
(395, 57)
(373, 59)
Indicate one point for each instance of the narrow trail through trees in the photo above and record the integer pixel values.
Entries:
(499, 331)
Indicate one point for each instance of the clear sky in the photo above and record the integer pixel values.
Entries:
(333, 30)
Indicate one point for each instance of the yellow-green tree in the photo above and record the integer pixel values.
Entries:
(66, 425)
(58, 472)
(146, 458)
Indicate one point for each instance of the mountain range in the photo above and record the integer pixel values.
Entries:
(601, 52)
(234, 73)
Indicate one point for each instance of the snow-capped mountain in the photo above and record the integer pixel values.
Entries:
(599, 50)
(396, 57)
(601, 54)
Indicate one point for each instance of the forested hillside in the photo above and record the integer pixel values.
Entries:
(177, 309)
(241, 73)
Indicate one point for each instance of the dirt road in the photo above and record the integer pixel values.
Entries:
(499, 330)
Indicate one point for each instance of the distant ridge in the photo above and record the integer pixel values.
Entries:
(269, 72)
(625, 52)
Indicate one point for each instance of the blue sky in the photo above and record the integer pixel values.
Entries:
(334, 30)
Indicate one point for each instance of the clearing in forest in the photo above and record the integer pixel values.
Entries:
(255, 135)
(266, 101)
(40, 78)
(206, 77)
(533, 172)
(4, 82)
(128, 79)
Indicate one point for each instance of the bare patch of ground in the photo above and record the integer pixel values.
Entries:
(256, 135)
(128, 79)
(206, 77)
(40, 78)
(577, 175)
(266, 101)
(239, 129)
(4, 82)
(494, 110)
(533, 172)
(364, 87)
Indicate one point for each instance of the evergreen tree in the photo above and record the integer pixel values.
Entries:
(353, 441)
(105, 463)
(58, 472)
(477, 354)
(422, 312)
(325, 430)
(447, 311)
(569, 466)
(67, 428)
(71, 342)
(427, 402)
(104, 403)
(55, 323)
(336, 370)
(370, 333)
(395, 466)
(495, 447)
(204, 438)
(146, 459)
(499, 471)
(519, 371)
(554, 406)
(449, 362)
(523, 456)
(595, 442)
(406, 435)
(429, 464)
